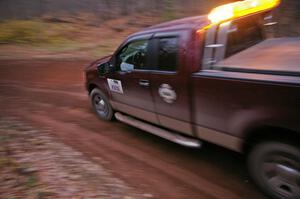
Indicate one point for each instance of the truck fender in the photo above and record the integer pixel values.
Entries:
(256, 124)
(100, 84)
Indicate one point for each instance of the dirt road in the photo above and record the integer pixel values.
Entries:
(50, 95)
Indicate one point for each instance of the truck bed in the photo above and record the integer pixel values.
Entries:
(280, 56)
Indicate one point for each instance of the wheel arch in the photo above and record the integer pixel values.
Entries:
(91, 86)
(263, 133)
(100, 86)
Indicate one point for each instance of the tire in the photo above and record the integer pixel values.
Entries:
(275, 168)
(101, 105)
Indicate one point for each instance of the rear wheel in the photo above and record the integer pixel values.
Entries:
(101, 105)
(275, 167)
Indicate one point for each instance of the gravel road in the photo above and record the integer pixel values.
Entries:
(50, 95)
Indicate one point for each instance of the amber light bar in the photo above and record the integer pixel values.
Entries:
(240, 8)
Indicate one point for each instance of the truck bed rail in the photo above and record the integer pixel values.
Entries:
(280, 56)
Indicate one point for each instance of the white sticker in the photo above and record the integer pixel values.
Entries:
(167, 93)
(115, 85)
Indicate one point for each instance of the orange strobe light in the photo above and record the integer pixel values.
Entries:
(240, 8)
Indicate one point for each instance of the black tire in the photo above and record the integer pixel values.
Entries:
(275, 168)
(101, 105)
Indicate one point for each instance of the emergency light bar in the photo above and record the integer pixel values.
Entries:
(240, 8)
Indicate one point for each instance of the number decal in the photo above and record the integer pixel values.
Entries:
(115, 85)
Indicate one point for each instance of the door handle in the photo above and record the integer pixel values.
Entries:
(144, 82)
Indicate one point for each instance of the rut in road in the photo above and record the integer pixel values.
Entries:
(148, 163)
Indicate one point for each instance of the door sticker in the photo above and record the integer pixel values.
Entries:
(115, 85)
(167, 93)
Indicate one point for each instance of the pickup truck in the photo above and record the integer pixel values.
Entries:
(219, 78)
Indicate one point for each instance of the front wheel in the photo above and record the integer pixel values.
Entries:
(275, 167)
(101, 105)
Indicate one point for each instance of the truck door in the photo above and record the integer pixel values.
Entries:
(169, 83)
(130, 85)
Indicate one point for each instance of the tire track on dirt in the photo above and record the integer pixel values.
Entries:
(204, 186)
(163, 169)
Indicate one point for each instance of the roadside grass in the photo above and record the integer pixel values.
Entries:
(78, 38)
(81, 36)
(35, 33)
(41, 37)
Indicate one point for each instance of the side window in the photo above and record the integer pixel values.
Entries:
(167, 54)
(133, 56)
(229, 38)
(247, 32)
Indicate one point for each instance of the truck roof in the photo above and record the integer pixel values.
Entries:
(278, 56)
(184, 23)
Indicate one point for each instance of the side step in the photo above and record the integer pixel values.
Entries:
(173, 137)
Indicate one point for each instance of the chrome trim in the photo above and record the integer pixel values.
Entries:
(214, 46)
(144, 82)
(222, 38)
(179, 139)
(208, 51)
(268, 17)
(271, 23)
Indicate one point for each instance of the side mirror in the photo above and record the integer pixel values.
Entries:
(106, 68)
(126, 67)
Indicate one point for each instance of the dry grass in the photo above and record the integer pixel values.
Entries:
(33, 32)
(27, 37)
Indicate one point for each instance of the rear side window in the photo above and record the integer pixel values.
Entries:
(244, 33)
(167, 54)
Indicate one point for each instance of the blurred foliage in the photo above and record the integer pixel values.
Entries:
(170, 12)
(97, 27)
(20, 31)
(33, 32)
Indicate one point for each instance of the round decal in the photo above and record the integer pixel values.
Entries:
(167, 93)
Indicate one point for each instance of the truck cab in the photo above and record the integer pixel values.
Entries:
(216, 78)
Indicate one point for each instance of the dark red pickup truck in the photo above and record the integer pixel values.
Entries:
(218, 79)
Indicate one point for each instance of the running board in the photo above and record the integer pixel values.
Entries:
(173, 137)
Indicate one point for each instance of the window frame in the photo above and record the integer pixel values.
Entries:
(155, 46)
(258, 21)
(216, 42)
(127, 42)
